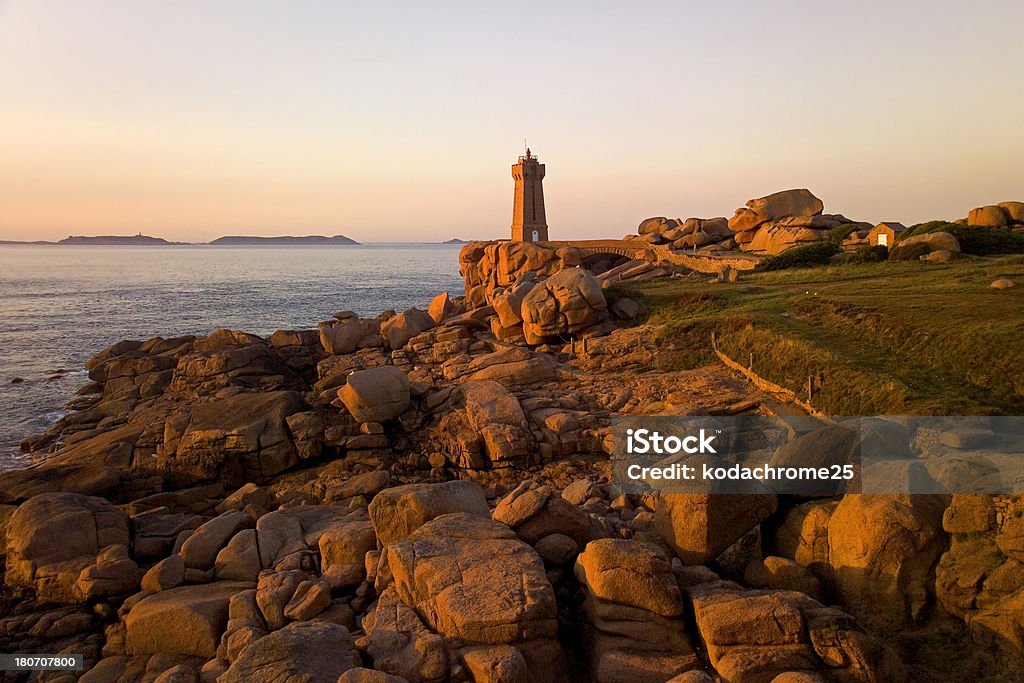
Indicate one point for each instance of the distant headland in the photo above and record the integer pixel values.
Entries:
(228, 240)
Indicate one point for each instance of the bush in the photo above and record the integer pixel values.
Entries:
(815, 254)
(982, 241)
(924, 228)
(869, 255)
(974, 239)
(838, 234)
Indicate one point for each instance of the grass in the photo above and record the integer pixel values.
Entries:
(878, 338)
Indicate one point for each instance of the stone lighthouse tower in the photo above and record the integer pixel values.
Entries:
(529, 223)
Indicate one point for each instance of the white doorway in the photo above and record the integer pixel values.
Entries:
(883, 239)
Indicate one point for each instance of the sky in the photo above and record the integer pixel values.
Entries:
(399, 121)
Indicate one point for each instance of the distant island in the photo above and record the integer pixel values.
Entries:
(455, 240)
(116, 240)
(238, 240)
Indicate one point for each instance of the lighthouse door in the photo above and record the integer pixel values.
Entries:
(536, 236)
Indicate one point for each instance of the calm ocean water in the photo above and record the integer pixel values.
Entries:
(60, 305)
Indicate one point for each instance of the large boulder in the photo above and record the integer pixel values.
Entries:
(377, 394)
(980, 579)
(239, 559)
(508, 303)
(512, 259)
(634, 607)
(1014, 211)
(777, 205)
(513, 366)
(536, 512)
(632, 573)
(343, 549)
(399, 643)
(472, 579)
(773, 238)
(397, 512)
(787, 203)
(988, 216)
(699, 527)
(53, 537)
(760, 635)
(237, 439)
(440, 307)
(188, 620)
(567, 303)
(289, 538)
(347, 333)
(114, 574)
(400, 328)
(802, 536)
(495, 414)
(306, 651)
(658, 224)
(912, 248)
(230, 358)
(200, 549)
(883, 550)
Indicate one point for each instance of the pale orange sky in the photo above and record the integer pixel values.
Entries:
(399, 122)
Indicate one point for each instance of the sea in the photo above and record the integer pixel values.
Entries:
(59, 305)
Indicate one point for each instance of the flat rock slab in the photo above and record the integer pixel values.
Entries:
(188, 620)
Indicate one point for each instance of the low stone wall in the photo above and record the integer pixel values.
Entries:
(766, 385)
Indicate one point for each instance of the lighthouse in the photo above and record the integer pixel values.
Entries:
(529, 222)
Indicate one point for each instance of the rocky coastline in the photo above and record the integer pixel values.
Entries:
(425, 496)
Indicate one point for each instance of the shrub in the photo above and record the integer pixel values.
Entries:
(838, 234)
(815, 254)
(869, 255)
(974, 239)
(982, 241)
(927, 227)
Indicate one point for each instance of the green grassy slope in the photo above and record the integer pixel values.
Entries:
(878, 338)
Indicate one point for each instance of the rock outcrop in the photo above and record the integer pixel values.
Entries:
(699, 527)
(463, 579)
(783, 220)
(883, 551)
(567, 304)
(54, 538)
(635, 608)
(980, 579)
(763, 635)
(1002, 215)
